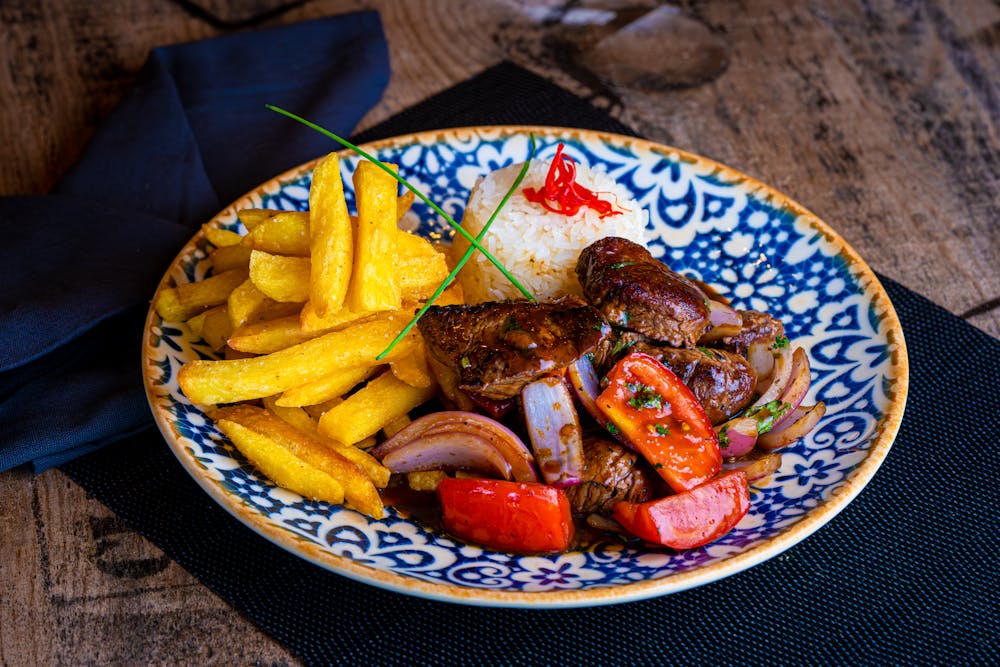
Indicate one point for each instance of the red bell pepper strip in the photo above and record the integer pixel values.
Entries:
(690, 519)
(520, 517)
(663, 420)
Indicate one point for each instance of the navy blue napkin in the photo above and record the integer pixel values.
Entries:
(907, 574)
(78, 266)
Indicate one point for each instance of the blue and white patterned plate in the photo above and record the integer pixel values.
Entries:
(751, 243)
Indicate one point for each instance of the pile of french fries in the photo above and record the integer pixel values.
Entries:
(299, 307)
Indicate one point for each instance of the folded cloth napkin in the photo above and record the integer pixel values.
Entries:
(78, 266)
(906, 575)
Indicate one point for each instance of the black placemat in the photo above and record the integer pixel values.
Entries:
(906, 574)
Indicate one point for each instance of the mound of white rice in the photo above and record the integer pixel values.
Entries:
(539, 247)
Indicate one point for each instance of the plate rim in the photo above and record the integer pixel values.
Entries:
(881, 441)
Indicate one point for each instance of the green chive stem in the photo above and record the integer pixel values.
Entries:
(466, 255)
(451, 221)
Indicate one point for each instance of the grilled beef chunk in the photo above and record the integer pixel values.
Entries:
(723, 382)
(757, 328)
(491, 350)
(611, 474)
(637, 292)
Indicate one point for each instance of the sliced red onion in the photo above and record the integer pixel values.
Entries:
(583, 378)
(805, 419)
(761, 358)
(554, 430)
(725, 321)
(737, 436)
(774, 385)
(796, 389)
(756, 465)
(435, 441)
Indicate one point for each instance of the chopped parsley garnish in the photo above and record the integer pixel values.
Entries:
(612, 429)
(645, 397)
(723, 438)
(767, 414)
(621, 265)
(621, 345)
(707, 352)
(662, 430)
(658, 466)
(780, 342)
(511, 324)
(465, 362)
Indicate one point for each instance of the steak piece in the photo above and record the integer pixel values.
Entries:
(723, 382)
(757, 328)
(611, 474)
(636, 291)
(491, 350)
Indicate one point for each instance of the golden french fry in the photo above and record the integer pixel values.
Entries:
(217, 327)
(316, 411)
(230, 353)
(251, 217)
(282, 466)
(197, 323)
(336, 384)
(359, 490)
(396, 425)
(181, 303)
(312, 322)
(284, 279)
(286, 233)
(412, 369)
(230, 257)
(370, 408)
(267, 336)
(207, 382)
(420, 267)
(403, 204)
(297, 417)
(247, 305)
(426, 480)
(331, 239)
(373, 283)
(220, 238)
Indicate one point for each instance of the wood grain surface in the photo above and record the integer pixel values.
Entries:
(881, 117)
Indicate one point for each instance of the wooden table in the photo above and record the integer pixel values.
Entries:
(882, 119)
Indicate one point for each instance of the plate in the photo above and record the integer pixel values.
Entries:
(748, 241)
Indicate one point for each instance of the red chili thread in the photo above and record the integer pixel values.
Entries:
(561, 188)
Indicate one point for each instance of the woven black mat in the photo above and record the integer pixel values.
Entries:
(906, 574)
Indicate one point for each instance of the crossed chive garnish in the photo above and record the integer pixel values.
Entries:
(474, 241)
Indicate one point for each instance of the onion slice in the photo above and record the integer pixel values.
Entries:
(805, 419)
(725, 321)
(761, 358)
(796, 389)
(756, 465)
(775, 384)
(454, 440)
(586, 387)
(554, 430)
(737, 436)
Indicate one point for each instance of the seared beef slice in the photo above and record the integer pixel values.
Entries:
(636, 291)
(611, 475)
(491, 350)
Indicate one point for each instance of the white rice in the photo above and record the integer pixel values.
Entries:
(539, 247)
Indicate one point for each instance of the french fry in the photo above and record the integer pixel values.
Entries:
(230, 257)
(286, 233)
(425, 480)
(297, 417)
(269, 336)
(251, 217)
(403, 204)
(420, 268)
(220, 238)
(316, 411)
(366, 411)
(206, 382)
(412, 369)
(247, 305)
(373, 283)
(197, 323)
(331, 240)
(396, 425)
(230, 353)
(181, 303)
(312, 322)
(359, 489)
(282, 466)
(284, 279)
(336, 384)
(217, 327)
